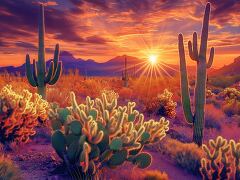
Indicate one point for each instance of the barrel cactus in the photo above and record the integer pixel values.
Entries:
(99, 134)
(19, 113)
(39, 77)
(196, 118)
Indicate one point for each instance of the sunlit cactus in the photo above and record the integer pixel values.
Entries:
(19, 113)
(99, 134)
(39, 77)
(222, 159)
(196, 118)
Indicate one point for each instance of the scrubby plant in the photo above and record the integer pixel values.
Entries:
(162, 105)
(196, 118)
(98, 134)
(209, 93)
(222, 159)
(230, 94)
(19, 113)
(154, 175)
(214, 117)
(185, 155)
(110, 94)
(8, 171)
(39, 77)
(231, 104)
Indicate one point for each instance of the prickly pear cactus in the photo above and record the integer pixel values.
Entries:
(102, 134)
(19, 113)
(222, 160)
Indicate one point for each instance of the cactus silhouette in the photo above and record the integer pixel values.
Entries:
(196, 119)
(125, 73)
(39, 77)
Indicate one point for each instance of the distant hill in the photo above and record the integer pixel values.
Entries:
(228, 70)
(89, 67)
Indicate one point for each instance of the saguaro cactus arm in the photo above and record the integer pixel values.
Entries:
(184, 82)
(193, 49)
(29, 72)
(210, 61)
(50, 73)
(57, 74)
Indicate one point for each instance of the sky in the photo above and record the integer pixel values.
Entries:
(103, 29)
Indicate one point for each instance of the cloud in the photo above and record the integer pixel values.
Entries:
(112, 27)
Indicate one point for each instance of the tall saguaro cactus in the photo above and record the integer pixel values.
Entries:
(39, 77)
(196, 118)
(125, 74)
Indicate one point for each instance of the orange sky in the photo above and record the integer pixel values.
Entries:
(103, 29)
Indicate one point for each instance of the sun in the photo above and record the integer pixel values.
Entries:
(152, 59)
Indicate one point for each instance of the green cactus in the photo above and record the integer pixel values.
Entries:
(125, 74)
(39, 77)
(101, 134)
(196, 119)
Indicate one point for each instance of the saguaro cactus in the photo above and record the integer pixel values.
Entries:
(196, 118)
(39, 77)
(125, 74)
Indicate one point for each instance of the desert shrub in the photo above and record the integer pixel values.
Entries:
(222, 159)
(230, 94)
(214, 117)
(125, 93)
(231, 107)
(231, 104)
(110, 94)
(154, 175)
(185, 155)
(162, 105)
(224, 81)
(98, 134)
(209, 94)
(20, 114)
(8, 171)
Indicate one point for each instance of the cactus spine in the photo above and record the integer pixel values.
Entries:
(197, 119)
(125, 74)
(39, 77)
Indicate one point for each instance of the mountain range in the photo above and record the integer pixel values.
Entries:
(115, 66)
(89, 67)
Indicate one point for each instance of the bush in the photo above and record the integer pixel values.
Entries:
(230, 94)
(214, 117)
(8, 171)
(19, 114)
(186, 155)
(224, 81)
(98, 134)
(162, 105)
(231, 107)
(154, 175)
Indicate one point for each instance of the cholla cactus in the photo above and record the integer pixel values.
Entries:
(19, 114)
(222, 160)
(99, 133)
(209, 93)
(162, 105)
(110, 94)
(230, 94)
